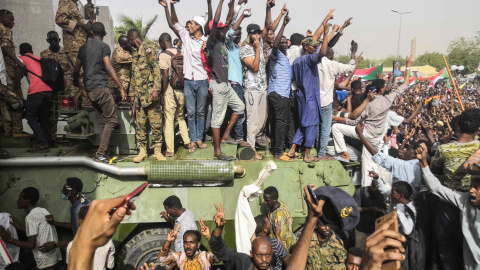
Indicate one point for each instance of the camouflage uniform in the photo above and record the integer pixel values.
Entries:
(89, 11)
(330, 255)
(146, 78)
(62, 58)
(122, 63)
(6, 41)
(74, 37)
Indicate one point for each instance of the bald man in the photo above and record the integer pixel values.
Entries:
(260, 256)
(122, 63)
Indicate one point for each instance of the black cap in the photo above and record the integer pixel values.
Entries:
(340, 209)
(252, 28)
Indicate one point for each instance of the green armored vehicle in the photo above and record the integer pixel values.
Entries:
(195, 178)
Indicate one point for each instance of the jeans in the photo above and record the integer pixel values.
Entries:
(37, 112)
(323, 134)
(283, 124)
(196, 93)
(239, 125)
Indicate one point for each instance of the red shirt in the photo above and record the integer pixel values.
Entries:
(36, 85)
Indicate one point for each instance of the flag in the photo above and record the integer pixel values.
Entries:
(442, 74)
(413, 81)
(463, 85)
(369, 74)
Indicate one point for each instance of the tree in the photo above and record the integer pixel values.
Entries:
(434, 59)
(465, 52)
(128, 23)
(389, 60)
(345, 59)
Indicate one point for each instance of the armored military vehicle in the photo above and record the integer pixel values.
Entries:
(196, 178)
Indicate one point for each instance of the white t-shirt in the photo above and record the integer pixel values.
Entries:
(36, 225)
(104, 257)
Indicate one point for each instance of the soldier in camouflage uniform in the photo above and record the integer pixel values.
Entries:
(325, 251)
(90, 10)
(68, 17)
(122, 63)
(145, 87)
(14, 127)
(57, 53)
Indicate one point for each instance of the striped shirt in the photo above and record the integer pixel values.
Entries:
(280, 76)
(279, 252)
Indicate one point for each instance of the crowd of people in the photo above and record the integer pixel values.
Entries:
(417, 144)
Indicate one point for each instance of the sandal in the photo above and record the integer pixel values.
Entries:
(5, 155)
(224, 157)
(244, 144)
(38, 149)
(192, 148)
(231, 141)
(315, 159)
(284, 157)
(258, 156)
(201, 145)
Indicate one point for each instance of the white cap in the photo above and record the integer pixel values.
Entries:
(200, 20)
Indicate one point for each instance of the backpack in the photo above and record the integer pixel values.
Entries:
(52, 73)
(176, 75)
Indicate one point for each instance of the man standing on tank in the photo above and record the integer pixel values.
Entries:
(59, 54)
(75, 31)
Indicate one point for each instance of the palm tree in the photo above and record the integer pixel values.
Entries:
(128, 23)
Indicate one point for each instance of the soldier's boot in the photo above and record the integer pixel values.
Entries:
(142, 154)
(158, 152)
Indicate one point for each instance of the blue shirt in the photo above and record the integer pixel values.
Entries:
(235, 68)
(402, 170)
(280, 76)
(305, 74)
(74, 209)
(341, 95)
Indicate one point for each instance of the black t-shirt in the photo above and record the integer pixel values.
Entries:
(218, 55)
(94, 72)
(357, 100)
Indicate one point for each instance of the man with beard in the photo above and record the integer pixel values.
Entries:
(279, 88)
(260, 256)
(371, 204)
(223, 94)
(191, 257)
(280, 254)
(467, 202)
(326, 251)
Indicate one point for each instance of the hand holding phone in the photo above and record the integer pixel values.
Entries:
(132, 197)
(389, 222)
(312, 194)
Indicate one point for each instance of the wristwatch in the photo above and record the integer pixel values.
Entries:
(407, 68)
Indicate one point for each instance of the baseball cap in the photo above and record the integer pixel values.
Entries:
(340, 209)
(252, 28)
(200, 20)
(310, 41)
(219, 25)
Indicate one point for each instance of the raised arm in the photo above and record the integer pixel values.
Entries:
(254, 64)
(324, 48)
(213, 30)
(334, 30)
(210, 11)
(278, 38)
(174, 12)
(268, 19)
(276, 23)
(414, 114)
(231, 7)
(170, 20)
(321, 28)
(240, 20)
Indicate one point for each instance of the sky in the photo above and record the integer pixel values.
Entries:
(374, 26)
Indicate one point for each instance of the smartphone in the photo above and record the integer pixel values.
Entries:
(353, 42)
(389, 132)
(389, 265)
(247, 13)
(312, 194)
(272, 4)
(132, 197)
